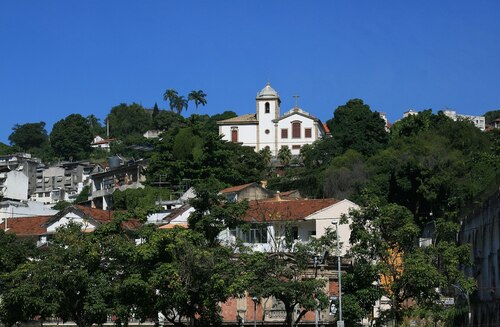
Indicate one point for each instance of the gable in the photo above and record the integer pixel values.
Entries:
(71, 217)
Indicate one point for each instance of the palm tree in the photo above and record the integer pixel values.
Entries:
(285, 155)
(198, 97)
(171, 96)
(266, 155)
(180, 103)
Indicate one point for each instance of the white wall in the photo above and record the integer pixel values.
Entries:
(66, 219)
(324, 219)
(16, 186)
(247, 134)
(305, 123)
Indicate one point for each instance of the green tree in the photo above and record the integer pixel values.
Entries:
(95, 126)
(166, 120)
(29, 136)
(126, 120)
(198, 97)
(491, 115)
(383, 236)
(4, 149)
(266, 155)
(284, 155)
(171, 96)
(180, 103)
(71, 137)
(355, 126)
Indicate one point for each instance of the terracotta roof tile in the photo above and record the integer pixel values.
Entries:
(248, 118)
(106, 216)
(26, 226)
(286, 210)
(236, 188)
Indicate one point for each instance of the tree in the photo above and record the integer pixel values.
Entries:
(284, 274)
(180, 103)
(284, 155)
(4, 149)
(171, 96)
(95, 126)
(166, 120)
(198, 97)
(29, 136)
(354, 126)
(491, 115)
(190, 277)
(126, 120)
(212, 215)
(383, 238)
(71, 137)
(266, 155)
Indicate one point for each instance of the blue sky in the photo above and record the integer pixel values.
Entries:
(62, 57)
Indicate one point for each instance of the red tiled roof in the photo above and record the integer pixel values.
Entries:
(325, 126)
(26, 226)
(236, 188)
(286, 210)
(106, 216)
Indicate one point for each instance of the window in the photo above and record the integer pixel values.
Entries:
(296, 130)
(234, 135)
(308, 133)
(284, 133)
(267, 107)
(267, 131)
(257, 233)
(295, 147)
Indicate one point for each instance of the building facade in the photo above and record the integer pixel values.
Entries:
(268, 128)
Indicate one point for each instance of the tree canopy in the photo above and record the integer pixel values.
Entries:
(28, 136)
(71, 137)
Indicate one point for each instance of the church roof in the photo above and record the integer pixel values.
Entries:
(245, 119)
(296, 111)
(267, 92)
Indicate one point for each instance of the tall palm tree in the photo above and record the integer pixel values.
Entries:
(198, 97)
(180, 103)
(171, 96)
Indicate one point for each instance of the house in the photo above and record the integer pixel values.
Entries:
(41, 228)
(120, 176)
(13, 209)
(268, 128)
(250, 191)
(269, 220)
(275, 225)
(27, 227)
(102, 143)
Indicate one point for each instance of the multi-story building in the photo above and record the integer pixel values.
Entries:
(61, 182)
(120, 176)
(268, 128)
(478, 121)
(18, 176)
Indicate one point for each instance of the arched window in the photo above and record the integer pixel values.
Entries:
(296, 130)
(267, 107)
(234, 134)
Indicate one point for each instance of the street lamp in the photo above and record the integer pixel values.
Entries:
(340, 322)
(255, 301)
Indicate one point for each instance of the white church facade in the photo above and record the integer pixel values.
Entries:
(268, 128)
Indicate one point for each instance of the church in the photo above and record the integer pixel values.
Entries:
(268, 128)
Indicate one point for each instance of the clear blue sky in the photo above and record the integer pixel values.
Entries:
(61, 57)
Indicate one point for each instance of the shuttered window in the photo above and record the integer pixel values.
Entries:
(296, 130)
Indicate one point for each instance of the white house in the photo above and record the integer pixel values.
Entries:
(271, 220)
(268, 128)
